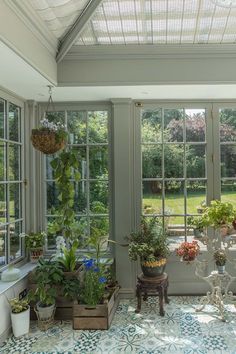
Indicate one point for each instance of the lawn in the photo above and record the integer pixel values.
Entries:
(174, 203)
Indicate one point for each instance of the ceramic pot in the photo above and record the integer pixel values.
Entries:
(221, 269)
(150, 269)
(224, 229)
(198, 233)
(45, 313)
(20, 323)
(35, 254)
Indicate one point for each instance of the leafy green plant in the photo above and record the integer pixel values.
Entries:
(71, 288)
(69, 259)
(94, 283)
(65, 167)
(47, 276)
(99, 225)
(198, 223)
(35, 239)
(220, 257)
(18, 306)
(219, 213)
(149, 243)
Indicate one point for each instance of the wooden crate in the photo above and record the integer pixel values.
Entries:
(99, 317)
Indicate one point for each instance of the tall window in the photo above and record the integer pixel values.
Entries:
(88, 138)
(228, 154)
(174, 173)
(11, 218)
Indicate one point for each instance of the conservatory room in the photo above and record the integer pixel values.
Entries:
(118, 176)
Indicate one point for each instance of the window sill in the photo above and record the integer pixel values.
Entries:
(25, 269)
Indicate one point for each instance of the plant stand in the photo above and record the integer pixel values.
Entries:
(152, 286)
(98, 317)
(219, 292)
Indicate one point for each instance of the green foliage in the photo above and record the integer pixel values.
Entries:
(94, 282)
(197, 222)
(47, 275)
(68, 261)
(99, 225)
(220, 257)
(219, 213)
(65, 167)
(18, 306)
(149, 243)
(71, 288)
(35, 240)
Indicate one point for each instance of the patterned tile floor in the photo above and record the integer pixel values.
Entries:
(182, 330)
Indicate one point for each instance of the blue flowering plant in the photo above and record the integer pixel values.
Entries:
(94, 282)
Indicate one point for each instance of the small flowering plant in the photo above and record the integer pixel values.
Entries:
(188, 251)
(94, 283)
(52, 127)
(34, 240)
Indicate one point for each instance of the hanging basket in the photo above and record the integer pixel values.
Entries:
(46, 141)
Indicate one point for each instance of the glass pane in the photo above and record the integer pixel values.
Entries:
(2, 120)
(196, 196)
(15, 201)
(98, 127)
(152, 197)
(14, 122)
(99, 197)
(174, 197)
(227, 124)
(52, 198)
(151, 122)
(58, 116)
(152, 161)
(173, 161)
(228, 160)
(173, 124)
(2, 161)
(80, 153)
(195, 124)
(76, 122)
(3, 254)
(3, 203)
(83, 225)
(80, 196)
(14, 162)
(98, 162)
(195, 161)
(51, 235)
(49, 170)
(176, 226)
(15, 240)
(228, 191)
(99, 226)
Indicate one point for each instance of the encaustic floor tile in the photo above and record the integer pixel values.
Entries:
(181, 331)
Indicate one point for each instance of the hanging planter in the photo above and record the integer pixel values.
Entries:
(47, 141)
(50, 137)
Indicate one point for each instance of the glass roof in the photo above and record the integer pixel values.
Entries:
(59, 15)
(159, 22)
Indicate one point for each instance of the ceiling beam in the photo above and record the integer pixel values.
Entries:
(73, 33)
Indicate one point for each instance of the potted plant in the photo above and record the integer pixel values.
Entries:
(47, 276)
(35, 242)
(149, 245)
(220, 259)
(188, 251)
(49, 137)
(20, 316)
(220, 215)
(68, 260)
(198, 224)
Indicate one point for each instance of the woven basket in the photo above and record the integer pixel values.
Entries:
(46, 142)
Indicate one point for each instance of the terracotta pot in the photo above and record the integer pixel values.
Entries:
(224, 230)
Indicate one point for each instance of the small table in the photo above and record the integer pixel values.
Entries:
(152, 286)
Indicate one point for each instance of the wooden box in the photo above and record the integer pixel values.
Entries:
(99, 317)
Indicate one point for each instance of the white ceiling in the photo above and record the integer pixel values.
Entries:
(20, 78)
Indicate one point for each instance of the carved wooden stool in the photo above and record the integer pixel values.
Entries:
(152, 286)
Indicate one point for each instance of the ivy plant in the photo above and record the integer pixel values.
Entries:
(65, 167)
